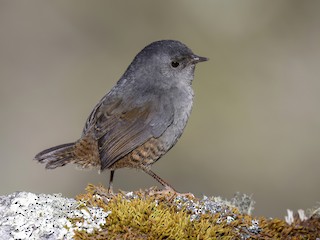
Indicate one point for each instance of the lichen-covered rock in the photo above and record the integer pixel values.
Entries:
(147, 214)
(25, 215)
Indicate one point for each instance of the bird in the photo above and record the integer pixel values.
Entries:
(140, 119)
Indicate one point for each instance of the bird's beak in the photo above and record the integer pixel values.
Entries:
(197, 59)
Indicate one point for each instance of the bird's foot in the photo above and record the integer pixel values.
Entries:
(169, 193)
(105, 194)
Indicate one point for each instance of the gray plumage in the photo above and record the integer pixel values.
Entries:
(141, 117)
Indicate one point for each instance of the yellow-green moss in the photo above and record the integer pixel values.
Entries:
(153, 216)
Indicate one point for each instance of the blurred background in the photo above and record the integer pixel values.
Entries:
(255, 124)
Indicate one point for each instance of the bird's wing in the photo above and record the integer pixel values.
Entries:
(120, 127)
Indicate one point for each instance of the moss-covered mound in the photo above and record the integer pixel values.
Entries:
(155, 214)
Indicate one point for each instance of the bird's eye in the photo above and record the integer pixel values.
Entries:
(174, 64)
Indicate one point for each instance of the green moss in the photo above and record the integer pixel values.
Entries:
(154, 215)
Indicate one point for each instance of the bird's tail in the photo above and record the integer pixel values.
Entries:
(57, 156)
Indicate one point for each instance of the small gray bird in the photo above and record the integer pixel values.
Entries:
(140, 119)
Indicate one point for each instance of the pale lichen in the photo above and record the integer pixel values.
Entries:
(30, 216)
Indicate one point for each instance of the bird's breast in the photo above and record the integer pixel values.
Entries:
(182, 100)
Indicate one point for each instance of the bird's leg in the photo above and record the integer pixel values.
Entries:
(110, 188)
(159, 179)
(168, 189)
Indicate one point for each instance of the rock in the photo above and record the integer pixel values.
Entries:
(25, 215)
